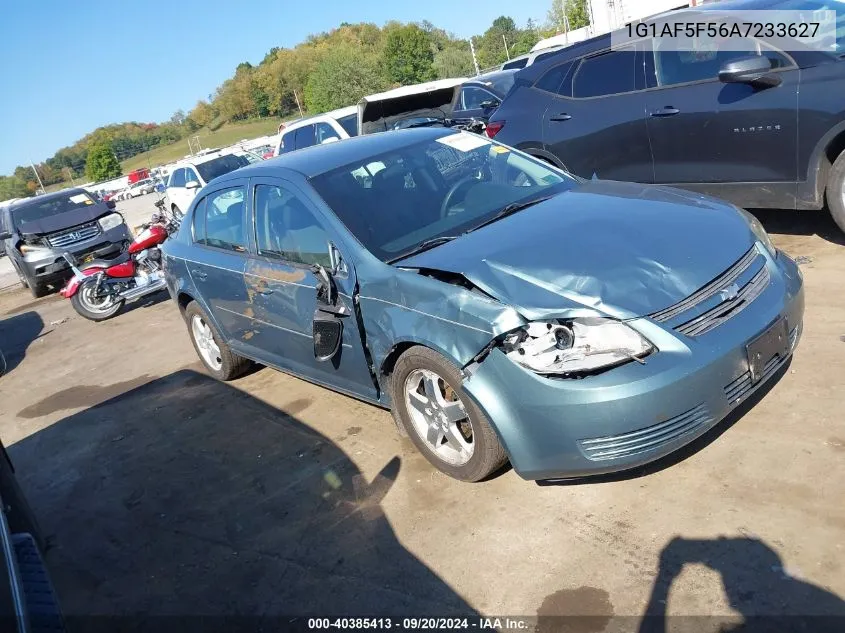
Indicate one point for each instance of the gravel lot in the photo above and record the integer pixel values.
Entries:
(165, 492)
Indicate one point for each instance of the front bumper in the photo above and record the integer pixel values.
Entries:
(634, 414)
(104, 245)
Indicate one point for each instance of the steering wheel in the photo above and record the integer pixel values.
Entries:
(444, 208)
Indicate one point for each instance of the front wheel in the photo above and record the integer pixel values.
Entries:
(836, 191)
(442, 421)
(94, 308)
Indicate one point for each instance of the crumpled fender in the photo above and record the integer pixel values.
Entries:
(407, 307)
(74, 282)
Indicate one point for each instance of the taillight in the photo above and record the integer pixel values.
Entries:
(493, 128)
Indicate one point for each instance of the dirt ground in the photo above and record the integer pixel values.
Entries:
(163, 492)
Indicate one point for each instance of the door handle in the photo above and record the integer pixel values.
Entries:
(199, 274)
(563, 116)
(667, 111)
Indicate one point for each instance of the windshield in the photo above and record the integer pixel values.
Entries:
(40, 209)
(219, 166)
(393, 202)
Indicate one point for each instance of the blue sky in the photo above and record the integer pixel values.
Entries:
(69, 67)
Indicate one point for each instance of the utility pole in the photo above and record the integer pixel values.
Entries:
(474, 60)
(40, 184)
(296, 98)
(506, 47)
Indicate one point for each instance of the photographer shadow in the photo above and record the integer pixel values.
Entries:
(757, 586)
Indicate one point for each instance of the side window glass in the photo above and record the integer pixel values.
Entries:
(305, 136)
(289, 142)
(190, 175)
(350, 124)
(472, 98)
(178, 178)
(286, 229)
(606, 74)
(552, 80)
(199, 222)
(224, 220)
(677, 67)
(324, 132)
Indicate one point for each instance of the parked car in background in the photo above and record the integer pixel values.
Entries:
(316, 130)
(189, 176)
(501, 307)
(140, 188)
(762, 128)
(37, 231)
(529, 58)
(479, 97)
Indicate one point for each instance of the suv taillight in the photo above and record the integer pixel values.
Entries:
(493, 128)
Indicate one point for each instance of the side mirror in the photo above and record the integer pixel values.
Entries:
(192, 184)
(327, 325)
(751, 69)
(5, 235)
(490, 103)
(111, 204)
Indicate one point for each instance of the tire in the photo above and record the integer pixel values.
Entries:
(835, 192)
(486, 454)
(36, 289)
(85, 304)
(229, 365)
(177, 211)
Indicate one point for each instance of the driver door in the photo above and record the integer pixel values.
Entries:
(290, 238)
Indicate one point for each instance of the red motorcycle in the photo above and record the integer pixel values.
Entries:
(99, 288)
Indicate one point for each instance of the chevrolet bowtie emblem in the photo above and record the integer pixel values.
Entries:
(729, 293)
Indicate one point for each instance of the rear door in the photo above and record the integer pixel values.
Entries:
(596, 124)
(707, 135)
(217, 268)
(176, 192)
(291, 236)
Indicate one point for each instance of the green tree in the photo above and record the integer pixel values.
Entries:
(568, 15)
(203, 113)
(102, 163)
(408, 56)
(453, 61)
(341, 78)
(490, 47)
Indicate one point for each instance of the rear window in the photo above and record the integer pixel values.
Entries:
(219, 166)
(40, 209)
(519, 63)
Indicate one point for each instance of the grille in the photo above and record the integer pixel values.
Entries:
(649, 438)
(711, 289)
(78, 234)
(728, 308)
(737, 389)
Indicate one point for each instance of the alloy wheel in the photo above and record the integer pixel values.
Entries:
(204, 338)
(439, 417)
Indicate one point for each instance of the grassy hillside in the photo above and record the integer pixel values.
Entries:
(225, 135)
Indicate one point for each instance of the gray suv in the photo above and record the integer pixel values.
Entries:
(36, 231)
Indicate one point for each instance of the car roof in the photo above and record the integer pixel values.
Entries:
(318, 159)
(199, 160)
(331, 114)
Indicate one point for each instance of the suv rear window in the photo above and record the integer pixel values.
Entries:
(38, 210)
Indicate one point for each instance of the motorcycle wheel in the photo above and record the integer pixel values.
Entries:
(92, 307)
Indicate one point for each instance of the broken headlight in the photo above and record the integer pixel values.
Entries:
(575, 346)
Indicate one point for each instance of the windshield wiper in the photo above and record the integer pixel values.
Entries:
(424, 246)
(511, 209)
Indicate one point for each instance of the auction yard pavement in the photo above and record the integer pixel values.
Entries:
(164, 492)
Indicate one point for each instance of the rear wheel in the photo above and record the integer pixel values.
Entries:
(87, 304)
(442, 421)
(836, 191)
(220, 361)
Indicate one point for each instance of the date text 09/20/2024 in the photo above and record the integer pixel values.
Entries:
(420, 623)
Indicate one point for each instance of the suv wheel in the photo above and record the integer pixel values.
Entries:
(835, 192)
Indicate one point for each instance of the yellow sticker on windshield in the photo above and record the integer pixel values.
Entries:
(498, 149)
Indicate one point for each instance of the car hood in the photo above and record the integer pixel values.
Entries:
(611, 248)
(66, 220)
(380, 112)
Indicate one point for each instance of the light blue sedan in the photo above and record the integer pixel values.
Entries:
(501, 308)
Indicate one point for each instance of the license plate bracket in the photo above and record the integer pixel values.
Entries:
(773, 342)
